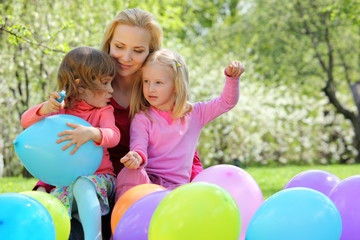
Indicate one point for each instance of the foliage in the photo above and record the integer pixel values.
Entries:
(36, 36)
(273, 126)
(283, 115)
(301, 43)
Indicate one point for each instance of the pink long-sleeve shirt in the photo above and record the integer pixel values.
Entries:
(101, 118)
(169, 146)
(122, 121)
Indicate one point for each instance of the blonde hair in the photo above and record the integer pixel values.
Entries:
(83, 67)
(178, 70)
(137, 18)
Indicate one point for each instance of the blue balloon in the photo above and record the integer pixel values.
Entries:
(24, 218)
(37, 149)
(296, 213)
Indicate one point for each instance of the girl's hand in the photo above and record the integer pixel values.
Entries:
(51, 105)
(235, 69)
(132, 160)
(80, 135)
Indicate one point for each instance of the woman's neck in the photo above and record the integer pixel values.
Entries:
(122, 91)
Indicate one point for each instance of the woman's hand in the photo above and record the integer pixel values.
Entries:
(132, 160)
(235, 69)
(78, 136)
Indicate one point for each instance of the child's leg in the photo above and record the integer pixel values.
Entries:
(89, 208)
(128, 178)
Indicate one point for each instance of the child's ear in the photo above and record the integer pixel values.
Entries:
(77, 82)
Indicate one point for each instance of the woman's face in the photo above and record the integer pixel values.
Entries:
(129, 47)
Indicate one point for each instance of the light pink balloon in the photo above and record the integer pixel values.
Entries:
(242, 187)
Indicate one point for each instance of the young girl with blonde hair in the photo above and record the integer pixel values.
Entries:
(165, 126)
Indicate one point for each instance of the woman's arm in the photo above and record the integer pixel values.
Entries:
(196, 167)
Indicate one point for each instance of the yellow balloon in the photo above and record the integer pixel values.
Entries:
(196, 211)
(57, 211)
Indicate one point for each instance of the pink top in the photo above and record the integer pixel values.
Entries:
(169, 146)
(122, 121)
(102, 118)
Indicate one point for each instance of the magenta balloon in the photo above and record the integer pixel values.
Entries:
(134, 224)
(319, 180)
(241, 186)
(346, 197)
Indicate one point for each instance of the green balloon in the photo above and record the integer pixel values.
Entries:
(57, 211)
(196, 211)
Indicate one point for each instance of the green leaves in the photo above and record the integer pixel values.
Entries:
(281, 113)
(18, 33)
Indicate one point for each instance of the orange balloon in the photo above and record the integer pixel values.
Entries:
(129, 198)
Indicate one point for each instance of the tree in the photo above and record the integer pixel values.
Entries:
(335, 47)
(34, 37)
(313, 42)
(36, 34)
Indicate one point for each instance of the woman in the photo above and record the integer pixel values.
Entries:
(129, 38)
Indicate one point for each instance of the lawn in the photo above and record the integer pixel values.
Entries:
(270, 179)
(16, 184)
(273, 179)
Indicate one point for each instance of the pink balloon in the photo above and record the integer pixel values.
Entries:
(346, 197)
(319, 180)
(240, 184)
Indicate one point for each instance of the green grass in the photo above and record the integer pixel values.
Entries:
(270, 179)
(16, 184)
(273, 179)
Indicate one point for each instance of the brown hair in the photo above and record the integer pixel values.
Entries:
(83, 67)
(136, 18)
(177, 67)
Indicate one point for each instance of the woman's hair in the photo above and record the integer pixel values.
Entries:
(136, 18)
(83, 67)
(176, 66)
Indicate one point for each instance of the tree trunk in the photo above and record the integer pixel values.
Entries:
(356, 125)
(26, 174)
(320, 34)
(354, 118)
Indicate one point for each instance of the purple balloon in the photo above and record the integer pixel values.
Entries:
(241, 186)
(134, 224)
(319, 180)
(346, 197)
